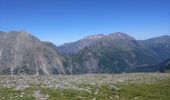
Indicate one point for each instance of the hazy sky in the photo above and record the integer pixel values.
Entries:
(61, 21)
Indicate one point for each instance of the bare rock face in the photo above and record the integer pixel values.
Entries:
(22, 53)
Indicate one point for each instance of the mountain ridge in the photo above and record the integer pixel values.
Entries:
(22, 53)
(116, 52)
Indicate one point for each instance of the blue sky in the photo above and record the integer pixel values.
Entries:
(62, 21)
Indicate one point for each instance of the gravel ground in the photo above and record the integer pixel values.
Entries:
(20, 82)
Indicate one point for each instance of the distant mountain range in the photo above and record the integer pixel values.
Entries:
(22, 53)
(115, 53)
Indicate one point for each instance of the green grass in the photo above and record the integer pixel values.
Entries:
(156, 91)
(12, 94)
(102, 93)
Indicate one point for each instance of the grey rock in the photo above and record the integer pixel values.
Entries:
(22, 53)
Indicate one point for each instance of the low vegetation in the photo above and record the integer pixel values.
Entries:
(132, 86)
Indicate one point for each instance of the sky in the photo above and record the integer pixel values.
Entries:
(63, 21)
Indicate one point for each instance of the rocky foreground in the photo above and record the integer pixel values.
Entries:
(86, 87)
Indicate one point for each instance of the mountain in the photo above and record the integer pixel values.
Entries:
(160, 46)
(114, 53)
(160, 67)
(74, 47)
(164, 66)
(22, 53)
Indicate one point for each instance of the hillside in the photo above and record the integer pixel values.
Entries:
(115, 53)
(22, 53)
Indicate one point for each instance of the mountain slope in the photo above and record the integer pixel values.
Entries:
(74, 47)
(160, 67)
(23, 53)
(116, 52)
(164, 66)
(160, 46)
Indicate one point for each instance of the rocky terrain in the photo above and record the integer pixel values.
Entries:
(20, 52)
(76, 87)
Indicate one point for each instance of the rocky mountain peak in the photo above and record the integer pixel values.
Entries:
(92, 37)
(120, 35)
